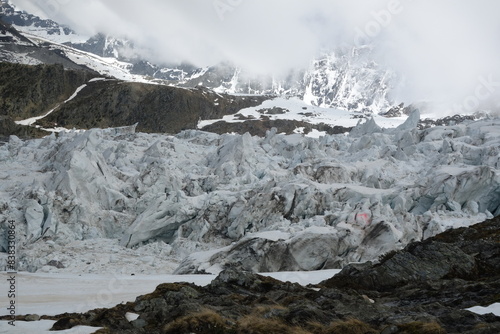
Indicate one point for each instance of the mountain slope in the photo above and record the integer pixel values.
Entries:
(345, 78)
(18, 48)
(27, 91)
(155, 108)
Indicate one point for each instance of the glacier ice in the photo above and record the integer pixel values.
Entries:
(277, 203)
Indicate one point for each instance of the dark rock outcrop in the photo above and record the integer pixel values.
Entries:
(450, 120)
(422, 289)
(439, 277)
(8, 127)
(261, 126)
(471, 253)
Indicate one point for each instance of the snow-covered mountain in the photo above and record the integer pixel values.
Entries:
(32, 24)
(345, 78)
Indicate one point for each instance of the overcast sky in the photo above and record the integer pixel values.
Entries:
(445, 48)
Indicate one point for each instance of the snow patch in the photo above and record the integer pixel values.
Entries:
(493, 308)
(42, 326)
(300, 111)
(32, 120)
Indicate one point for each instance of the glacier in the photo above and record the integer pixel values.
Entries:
(115, 200)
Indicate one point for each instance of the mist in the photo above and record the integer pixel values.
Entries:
(446, 50)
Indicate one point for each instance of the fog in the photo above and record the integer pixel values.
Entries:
(446, 50)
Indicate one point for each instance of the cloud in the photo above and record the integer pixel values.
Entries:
(442, 48)
(445, 49)
(263, 36)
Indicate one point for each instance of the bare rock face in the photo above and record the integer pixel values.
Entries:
(418, 263)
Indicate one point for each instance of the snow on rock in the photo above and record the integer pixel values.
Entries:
(493, 308)
(118, 201)
(33, 120)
